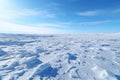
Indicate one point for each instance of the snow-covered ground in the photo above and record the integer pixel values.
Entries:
(60, 57)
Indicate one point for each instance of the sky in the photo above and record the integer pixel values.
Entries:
(59, 16)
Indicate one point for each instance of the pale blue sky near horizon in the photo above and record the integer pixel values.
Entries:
(59, 16)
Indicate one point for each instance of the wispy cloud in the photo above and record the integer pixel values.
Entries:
(50, 25)
(8, 27)
(66, 23)
(21, 13)
(98, 22)
(58, 25)
(89, 13)
(116, 11)
(98, 12)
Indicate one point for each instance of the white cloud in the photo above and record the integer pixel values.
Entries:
(99, 12)
(66, 23)
(21, 13)
(89, 13)
(49, 25)
(59, 25)
(96, 22)
(7, 27)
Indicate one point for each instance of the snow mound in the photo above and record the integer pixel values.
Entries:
(60, 57)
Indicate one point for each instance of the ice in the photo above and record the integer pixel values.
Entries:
(60, 57)
(117, 76)
(12, 66)
(2, 52)
(46, 70)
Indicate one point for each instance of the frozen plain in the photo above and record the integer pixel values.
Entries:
(60, 57)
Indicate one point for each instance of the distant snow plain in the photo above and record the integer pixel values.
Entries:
(60, 57)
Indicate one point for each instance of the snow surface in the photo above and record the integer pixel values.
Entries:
(60, 57)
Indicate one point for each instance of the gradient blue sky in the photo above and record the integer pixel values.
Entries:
(59, 16)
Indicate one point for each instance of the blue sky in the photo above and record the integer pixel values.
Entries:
(59, 16)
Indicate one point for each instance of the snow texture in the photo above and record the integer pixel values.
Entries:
(60, 57)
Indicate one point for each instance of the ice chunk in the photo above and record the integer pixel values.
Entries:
(46, 71)
(13, 65)
(2, 52)
(118, 77)
(71, 57)
(33, 62)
